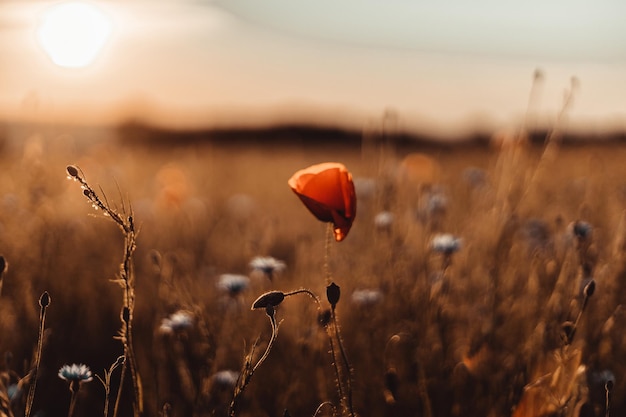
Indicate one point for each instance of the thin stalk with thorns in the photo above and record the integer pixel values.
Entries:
(126, 280)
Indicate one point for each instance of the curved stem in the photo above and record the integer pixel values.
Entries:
(304, 291)
(322, 405)
(248, 372)
(268, 348)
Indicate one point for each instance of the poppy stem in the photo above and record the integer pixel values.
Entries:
(329, 236)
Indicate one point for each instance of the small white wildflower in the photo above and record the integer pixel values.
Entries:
(267, 265)
(75, 373)
(233, 284)
(176, 322)
(383, 220)
(13, 391)
(445, 243)
(367, 297)
(226, 378)
(436, 202)
(475, 177)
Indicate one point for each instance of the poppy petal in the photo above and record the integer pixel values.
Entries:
(327, 190)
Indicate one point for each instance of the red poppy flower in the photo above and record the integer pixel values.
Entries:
(327, 191)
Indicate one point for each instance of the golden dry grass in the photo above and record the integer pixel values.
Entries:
(481, 338)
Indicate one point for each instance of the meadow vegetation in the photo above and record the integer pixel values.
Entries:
(517, 312)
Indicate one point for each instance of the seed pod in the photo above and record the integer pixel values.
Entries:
(44, 300)
(590, 288)
(72, 171)
(333, 293)
(269, 299)
(608, 386)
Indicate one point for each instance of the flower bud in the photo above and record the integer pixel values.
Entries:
(269, 299)
(44, 300)
(590, 288)
(333, 293)
(72, 171)
(608, 386)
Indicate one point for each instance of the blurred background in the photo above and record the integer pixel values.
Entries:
(196, 113)
(441, 68)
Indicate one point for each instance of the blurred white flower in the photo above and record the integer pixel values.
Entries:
(233, 284)
(475, 177)
(226, 378)
(176, 322)
(445, 243)
(383, 220)
(75, 373)
(366, 297)
(435, 202)
(267, 265)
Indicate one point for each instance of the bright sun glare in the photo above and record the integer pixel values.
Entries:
(73, 33)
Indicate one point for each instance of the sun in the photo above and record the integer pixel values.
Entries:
(73, 33)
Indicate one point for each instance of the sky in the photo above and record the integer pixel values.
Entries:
(437, 66)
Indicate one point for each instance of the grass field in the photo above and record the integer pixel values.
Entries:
(508, 325)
